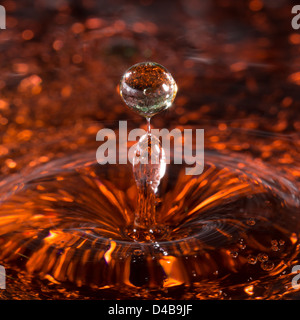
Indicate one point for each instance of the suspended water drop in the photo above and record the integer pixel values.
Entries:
(148, 88)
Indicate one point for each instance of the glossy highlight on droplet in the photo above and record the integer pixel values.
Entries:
(148, 88)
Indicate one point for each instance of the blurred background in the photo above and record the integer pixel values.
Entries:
(235, 62)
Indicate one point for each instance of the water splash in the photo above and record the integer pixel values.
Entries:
(149, 167)
(64, 224)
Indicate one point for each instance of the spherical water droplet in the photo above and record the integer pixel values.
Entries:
(148, 88)
(242, 246)
(252, 259)
(274, 243)
(234, 254)
(267, 265)
(262, 257)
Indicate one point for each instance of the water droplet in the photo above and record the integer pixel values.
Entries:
(267, 265)
(242, 246)
(148, 88)
(281, 242)
(275, 248)
(262, 257)
(234, 254)
(252, 259)
(274, 243)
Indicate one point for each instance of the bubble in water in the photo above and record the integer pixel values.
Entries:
(234, 254)
(274, 243)
(148, 88)
(262, 257)
(267, 265)
(252, 259)
(242, 245)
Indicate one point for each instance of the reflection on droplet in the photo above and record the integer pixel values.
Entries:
(267, 265)
(242, 245)
(262, 257)
(252, 259)
(148, 88)
(234, 254)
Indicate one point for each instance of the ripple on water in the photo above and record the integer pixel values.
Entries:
(65, 221)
